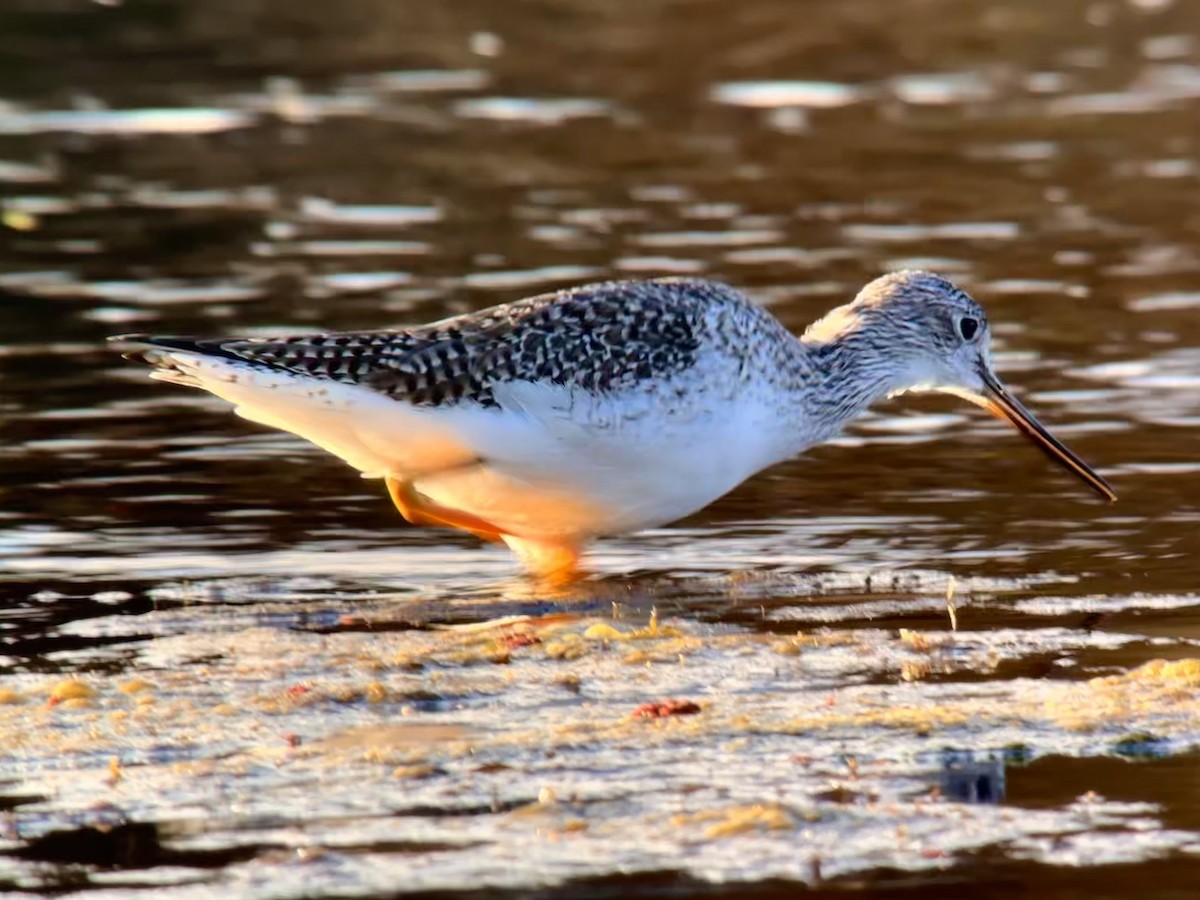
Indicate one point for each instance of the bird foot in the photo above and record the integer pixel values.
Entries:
(553, 564)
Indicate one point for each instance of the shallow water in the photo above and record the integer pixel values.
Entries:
(285, 690)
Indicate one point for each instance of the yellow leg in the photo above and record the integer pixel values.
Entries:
(420, 510)
(555, 563)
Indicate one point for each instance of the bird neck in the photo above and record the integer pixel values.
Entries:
(852, 371)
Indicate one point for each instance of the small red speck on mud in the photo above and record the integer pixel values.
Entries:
(516, 639)
(665, 708)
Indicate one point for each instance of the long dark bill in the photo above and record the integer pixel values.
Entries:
(1005, 406)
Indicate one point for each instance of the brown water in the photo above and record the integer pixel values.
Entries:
(271, 708)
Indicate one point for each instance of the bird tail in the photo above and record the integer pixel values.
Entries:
(372, 432)
(156, 350)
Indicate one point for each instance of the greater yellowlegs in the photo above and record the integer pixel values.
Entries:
(601, 409)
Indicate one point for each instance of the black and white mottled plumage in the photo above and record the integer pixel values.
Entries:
(601, 409)
(600, 338)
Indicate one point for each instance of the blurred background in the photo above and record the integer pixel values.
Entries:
(251, 167)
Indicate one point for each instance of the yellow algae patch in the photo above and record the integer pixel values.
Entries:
(1181, 672)
(920, 642)
(674, 650)
(753, 818)
(602, 631)
(19, 220)
(408, 661)
(371, 692)
(1158, 673)
(915, 670)
(71, 689)
(474, 652)
(828, 638)
(1154, 689)
(787, 647)
(735, 820)
(1097, 704)
(494, 641)
(569, 647)
(375, 692)
(921, 719)
(1152, 678)
(386, 737)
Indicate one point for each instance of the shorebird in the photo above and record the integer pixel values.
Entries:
(601, 409)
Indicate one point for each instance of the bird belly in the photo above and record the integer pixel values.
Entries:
(519, 506)
(597, 503)
(618, 480)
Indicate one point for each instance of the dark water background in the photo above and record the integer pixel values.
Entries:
(251, 166)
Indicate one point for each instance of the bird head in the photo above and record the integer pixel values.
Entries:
(939, 337)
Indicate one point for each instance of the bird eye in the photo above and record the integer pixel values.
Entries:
(968, 327)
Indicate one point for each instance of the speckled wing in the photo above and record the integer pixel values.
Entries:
(600, 338)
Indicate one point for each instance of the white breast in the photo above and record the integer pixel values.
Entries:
(562, 462)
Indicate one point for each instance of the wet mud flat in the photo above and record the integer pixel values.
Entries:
(700, 735)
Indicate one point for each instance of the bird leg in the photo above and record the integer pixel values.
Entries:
(553, 563)
(420, 510)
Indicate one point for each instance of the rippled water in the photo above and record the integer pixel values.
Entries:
(295, 712)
